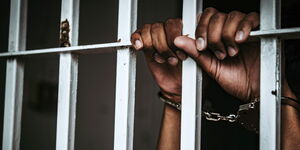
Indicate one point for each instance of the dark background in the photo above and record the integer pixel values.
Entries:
(96, 84)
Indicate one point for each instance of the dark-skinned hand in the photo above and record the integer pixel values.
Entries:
(220, 49)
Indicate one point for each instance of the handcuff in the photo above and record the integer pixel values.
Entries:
(247, 114)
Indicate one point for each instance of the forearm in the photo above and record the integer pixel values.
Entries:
(169, 138)
(290, 122)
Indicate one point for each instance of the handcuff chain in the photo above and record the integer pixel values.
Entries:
(213, 116)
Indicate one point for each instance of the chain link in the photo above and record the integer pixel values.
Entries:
(212, 116)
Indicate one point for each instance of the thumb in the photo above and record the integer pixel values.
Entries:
(204, 58)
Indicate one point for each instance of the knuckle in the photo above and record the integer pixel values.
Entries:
(254, 17)
(178, 20)
(246, 24)
(210, 10)
(146, 26)
(236, 13)
(155, 27)
(173, 22)
(218, 16)
(134, 36)
(147, 42)
(254, 14)
(170, 21)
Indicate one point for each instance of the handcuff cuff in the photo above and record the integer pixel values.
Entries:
(247, 114)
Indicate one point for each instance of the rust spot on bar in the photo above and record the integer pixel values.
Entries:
(64, 39)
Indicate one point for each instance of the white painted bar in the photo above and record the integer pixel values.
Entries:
(82, 49)
(270, 80)
(191, 84)
(125, 78)
(13, 104)
(68, 72)
(14, 77)
(289, 33)
(66, 116)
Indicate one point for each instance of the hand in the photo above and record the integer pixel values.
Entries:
(162, 56)
(219, 35)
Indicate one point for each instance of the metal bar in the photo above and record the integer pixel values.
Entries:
(100, 48)
(289, 33)
(68, 72)
(125, 78)
(191, 84)
(67, 102)
(14, 76)
(270, 81)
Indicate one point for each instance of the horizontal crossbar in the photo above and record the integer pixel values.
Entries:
(290, 33)
(76, 49)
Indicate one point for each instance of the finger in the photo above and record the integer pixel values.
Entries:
(201, 30)
(149, 51)
(214, 35)
(173, 29)
(229, 29)
(250, 22)
(160, 43)
(205, 59)
(158, 58)
(181, 54)
(146, 36)
(198, 17)
(136, 40)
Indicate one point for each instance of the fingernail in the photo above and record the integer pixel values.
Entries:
(181, 55)
(138, 44)
(239, 36)
(159, 59)
(200, 43)
(173, 61)
(231, 51)
(220, 55)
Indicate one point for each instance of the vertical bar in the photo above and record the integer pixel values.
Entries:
(191, 84)
(270, 81)
(125, 79)
(68, 72)
(14, 76)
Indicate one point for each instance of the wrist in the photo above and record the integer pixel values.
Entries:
(173, 97)
(287, 91)
(171, 113)
(290, 101)
(169, 102)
